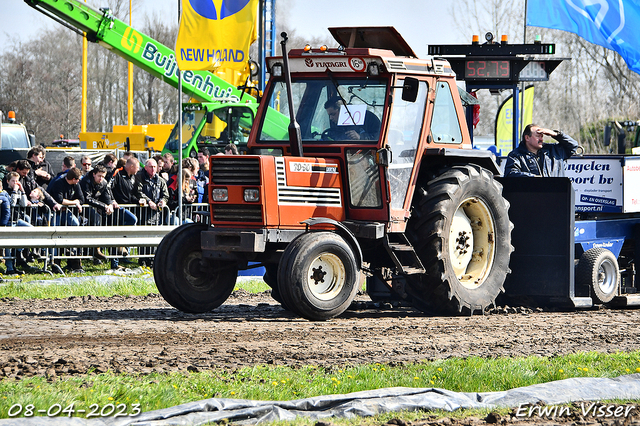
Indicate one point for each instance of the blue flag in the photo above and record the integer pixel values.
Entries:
(609, 23)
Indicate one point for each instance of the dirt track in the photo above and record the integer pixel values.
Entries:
(144, 334)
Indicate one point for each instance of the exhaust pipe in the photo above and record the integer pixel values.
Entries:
(295, 136)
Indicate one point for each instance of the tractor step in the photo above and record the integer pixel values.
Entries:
(403, 255)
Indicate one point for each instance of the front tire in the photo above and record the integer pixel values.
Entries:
(318, 276)
(461, 231)
(598, 270)
(188, 282)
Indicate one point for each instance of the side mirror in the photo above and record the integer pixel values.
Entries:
(32, 139)
(209, 117)
(410, 89)
(607, 135)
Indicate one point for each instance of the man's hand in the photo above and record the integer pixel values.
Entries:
(153, 205)
(108, 209)
(547, 132)
(57, 207)
(352, 135)
(43, 174)
(79, 205)
(161, 204)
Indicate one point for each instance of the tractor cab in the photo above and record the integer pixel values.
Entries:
(365, 103)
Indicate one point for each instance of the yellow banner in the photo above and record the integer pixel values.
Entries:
(504, 121)
(215, 33)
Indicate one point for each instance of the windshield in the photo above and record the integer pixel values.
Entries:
(14, 137)
(345, 110)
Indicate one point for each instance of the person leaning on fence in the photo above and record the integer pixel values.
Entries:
(103, 210)
(68, 162)
(189, 194)
(86, 164)
(27, 179)
(67, 192)
(5, 216)
(123, 183)
(202, 177)
(43, 172)
(109, 162)
(17, 217)
(533, 158)
(152, 191)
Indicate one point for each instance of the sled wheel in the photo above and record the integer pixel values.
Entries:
(188, 282)
(598, 269)
(461, 231)
(318, 276)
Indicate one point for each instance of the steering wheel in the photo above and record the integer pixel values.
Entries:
(326, 135)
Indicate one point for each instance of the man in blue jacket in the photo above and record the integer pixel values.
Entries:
(533, 158)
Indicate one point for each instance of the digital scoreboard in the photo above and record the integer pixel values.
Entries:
(487, 69)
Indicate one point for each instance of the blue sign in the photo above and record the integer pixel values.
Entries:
(608, 23)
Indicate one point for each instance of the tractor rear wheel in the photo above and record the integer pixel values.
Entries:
(461, 231)
(318, 276)
(188, 282)
(598, 270)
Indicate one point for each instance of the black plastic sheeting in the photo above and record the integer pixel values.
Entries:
(366, 403)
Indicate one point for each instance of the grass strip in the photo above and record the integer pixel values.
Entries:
(61, 287)
(261, 382)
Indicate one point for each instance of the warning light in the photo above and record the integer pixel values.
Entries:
(11, 115)
(475, 39)
(307, 48)
(323, 48)
(504, 39)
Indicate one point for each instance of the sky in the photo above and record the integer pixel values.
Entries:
(420, 22)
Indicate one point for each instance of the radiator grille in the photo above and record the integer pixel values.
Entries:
(235, 171)
(237, 212)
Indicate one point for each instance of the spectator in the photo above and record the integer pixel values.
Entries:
(160, 160)
(36, 200)
(152, 191)
(87, 164)
(168, 162)
(189, 194)
(27, 179)
(202, 177)
(97, 194)
(42, 170)
(5, 220)
(18, 202)
(231, 149)
(68, 162)
(123, 183)
(67, 192)
(119, 165)
(109, 162)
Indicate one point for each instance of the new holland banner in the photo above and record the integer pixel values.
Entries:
(216, 34)
(504, 120)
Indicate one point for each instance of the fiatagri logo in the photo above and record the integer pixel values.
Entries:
(208, 9)
(355, 64)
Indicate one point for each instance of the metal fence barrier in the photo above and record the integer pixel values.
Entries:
(129, 232)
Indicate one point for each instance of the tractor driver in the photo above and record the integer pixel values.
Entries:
(534, 158)
(370, 130)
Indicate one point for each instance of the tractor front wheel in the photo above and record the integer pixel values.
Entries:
(318, 276)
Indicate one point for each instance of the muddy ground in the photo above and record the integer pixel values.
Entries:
(144, 334)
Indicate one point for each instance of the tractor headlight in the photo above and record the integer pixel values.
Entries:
(251, 195)
(220, 194)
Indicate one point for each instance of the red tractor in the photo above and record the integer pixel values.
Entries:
(372, 175)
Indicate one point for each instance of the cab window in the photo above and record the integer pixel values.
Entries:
(445, 127)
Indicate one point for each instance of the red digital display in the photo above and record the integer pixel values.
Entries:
(486, 69)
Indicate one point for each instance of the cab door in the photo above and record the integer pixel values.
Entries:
(406, 122)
